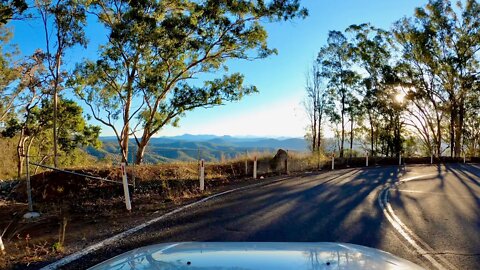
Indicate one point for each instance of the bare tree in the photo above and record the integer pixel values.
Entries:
(315, 103)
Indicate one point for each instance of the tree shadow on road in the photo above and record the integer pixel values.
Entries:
(339, 209)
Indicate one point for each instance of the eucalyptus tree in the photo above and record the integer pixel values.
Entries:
(32, 117)
(34, 122)
(145, 75)
(355, 111)
(372, 53)
(335, 59)
(315, 105)
(30, 91)
(472, 122)
(63, 23)
(441, 44)
(9, 74)
(10, 8)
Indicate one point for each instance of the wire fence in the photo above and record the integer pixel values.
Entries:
(197, 173)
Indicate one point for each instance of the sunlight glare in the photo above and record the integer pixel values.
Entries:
(400, 97)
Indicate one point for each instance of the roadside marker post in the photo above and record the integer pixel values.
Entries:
(464, 157)
(202, 175)
(255, 167)
(30, 214)
(333, 161)
(128, 204)
(246, 166)
(431, 158)
(2, 247)
(400, 159)
(366, 159)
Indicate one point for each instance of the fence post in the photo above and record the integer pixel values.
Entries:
(125, 187)
(333, 161)
(202, 175)
(246, 163)
(255, 167)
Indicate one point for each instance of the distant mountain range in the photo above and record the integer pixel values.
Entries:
(189, 147)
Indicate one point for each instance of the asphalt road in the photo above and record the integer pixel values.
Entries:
(441, 209)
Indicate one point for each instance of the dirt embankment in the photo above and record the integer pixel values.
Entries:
(91, 210)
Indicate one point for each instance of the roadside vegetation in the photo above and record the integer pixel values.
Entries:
(411, 90)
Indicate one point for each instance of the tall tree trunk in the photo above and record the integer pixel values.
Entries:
(319, 129)
(314, 131)
(439, 138)
(453, 115)
(459, 128)
(343, 126)
(397, 138)
(55, 135)
(372, 134)
(141, 146)
(124, 143)
(20, 154)
(351, 136)
(126, 128)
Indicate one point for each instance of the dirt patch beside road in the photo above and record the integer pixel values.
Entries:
(92, 210)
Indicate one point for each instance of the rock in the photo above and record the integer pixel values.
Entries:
(278, 163)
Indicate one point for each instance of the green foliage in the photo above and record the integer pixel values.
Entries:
(156, 49)
(431, 59)
(440, 47)
(9, 8)
(9, 73)
(336, 61)
(72, 130)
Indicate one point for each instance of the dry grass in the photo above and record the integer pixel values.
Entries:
(8, 163)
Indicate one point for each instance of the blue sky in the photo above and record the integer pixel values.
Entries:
(276, 110)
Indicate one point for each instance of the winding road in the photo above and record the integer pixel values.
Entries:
(429, 215)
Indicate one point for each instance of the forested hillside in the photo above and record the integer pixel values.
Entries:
(192, 147)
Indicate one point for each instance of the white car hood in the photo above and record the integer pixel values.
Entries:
(253, 256)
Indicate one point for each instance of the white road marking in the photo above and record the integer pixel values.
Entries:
(418, 244)
(433, 193)
(77, 255)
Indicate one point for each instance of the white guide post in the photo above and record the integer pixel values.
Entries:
(400, 159)
(246, 166)
(255, 167)
(202, 175)
(2, 247)
(431, 158)
(128, 204)
(333, 161)
(366, 159)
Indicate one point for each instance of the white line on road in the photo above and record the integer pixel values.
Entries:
(405, 232)
(433, 193)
